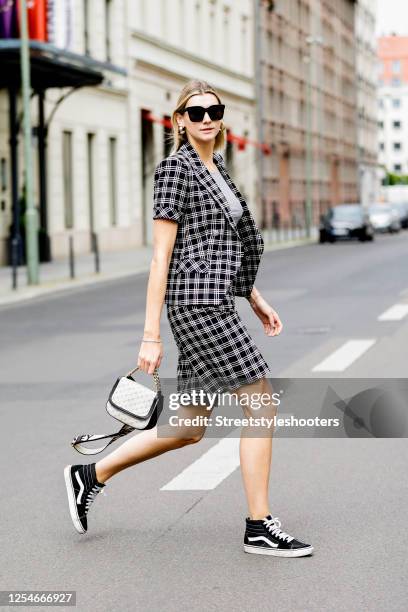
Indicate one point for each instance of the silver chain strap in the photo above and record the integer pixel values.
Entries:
(155, 376)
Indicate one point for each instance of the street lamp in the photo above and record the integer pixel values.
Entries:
(31, 212)
(260, 106)
(310, 40)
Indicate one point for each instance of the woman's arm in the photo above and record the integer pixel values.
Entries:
(254, 296)
(164, 236)
(268, 316)
(170, 197)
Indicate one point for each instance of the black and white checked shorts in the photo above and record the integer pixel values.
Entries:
(216, 351)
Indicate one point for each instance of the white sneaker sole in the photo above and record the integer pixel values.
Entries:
(299, 552)
(71, 500)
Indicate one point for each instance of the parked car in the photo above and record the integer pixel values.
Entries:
(384, 218)
(402, 209)
(345, 221)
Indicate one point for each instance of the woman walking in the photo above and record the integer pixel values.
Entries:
(207, 250)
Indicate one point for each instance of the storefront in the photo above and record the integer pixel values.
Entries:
(51, 67)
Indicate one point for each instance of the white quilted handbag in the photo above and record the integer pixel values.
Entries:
(135, 405)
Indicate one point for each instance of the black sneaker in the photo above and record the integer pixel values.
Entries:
(264, 537)
(82, 488)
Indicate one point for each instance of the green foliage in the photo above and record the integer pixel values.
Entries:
(395, 179)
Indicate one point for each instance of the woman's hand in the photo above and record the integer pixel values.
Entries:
(150, 356)
(269, 317)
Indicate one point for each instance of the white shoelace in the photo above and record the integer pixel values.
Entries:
(92, 494)
(273, 525)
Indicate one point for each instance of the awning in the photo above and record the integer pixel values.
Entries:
(51, 66)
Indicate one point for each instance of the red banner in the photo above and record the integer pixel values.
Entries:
(37, 19)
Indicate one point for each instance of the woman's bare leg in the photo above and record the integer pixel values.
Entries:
(147, 444)
(256, 453)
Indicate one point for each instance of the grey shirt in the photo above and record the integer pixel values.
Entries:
(233, 202)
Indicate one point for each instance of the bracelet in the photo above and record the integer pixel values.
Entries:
(143, 340)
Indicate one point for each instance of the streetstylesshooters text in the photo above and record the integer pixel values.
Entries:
(253, 400)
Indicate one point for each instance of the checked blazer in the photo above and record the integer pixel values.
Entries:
(211, 253)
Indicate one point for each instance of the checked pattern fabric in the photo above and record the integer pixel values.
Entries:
(215, 349)
(211, 253)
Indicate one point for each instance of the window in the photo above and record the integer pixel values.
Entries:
(67, 178)
(396, 67)
(112, 180)
(397, 146)
(142, 14)
(381, 124)
(395, 82)
(381, 146)
(181, 21)
(396, 125)
(3, 174)
(396, 103)
(381, 103)
(397, 167)
(90, 155)
(244, 44)
(108, 19)
(197, 24)
(226, 34)
(86, 27)
(211, 33)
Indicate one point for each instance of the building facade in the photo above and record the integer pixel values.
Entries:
(104, 141)
(297, 76)
(309, 101)
(393, 103)
(88, 175)
(367, 129)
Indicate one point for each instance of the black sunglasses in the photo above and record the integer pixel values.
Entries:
(196, 113)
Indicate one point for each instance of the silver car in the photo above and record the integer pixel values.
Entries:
(402, 208)
(384, 218)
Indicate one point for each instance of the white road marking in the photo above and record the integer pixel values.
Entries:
(208, 470)
(344, 356)
(395, 313)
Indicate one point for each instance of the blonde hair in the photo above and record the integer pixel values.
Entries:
(192, 88)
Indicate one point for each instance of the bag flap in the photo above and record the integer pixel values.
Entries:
(131, 396)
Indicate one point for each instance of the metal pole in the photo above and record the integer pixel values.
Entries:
(96, 251)
(71, 258)
(42, 178)
(259, 97)
(31, 212)
(319, 79)
(15, 238)
(309, 148)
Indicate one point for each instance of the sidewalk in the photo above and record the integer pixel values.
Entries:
(54, 276)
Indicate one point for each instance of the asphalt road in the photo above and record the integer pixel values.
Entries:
(151, 549)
